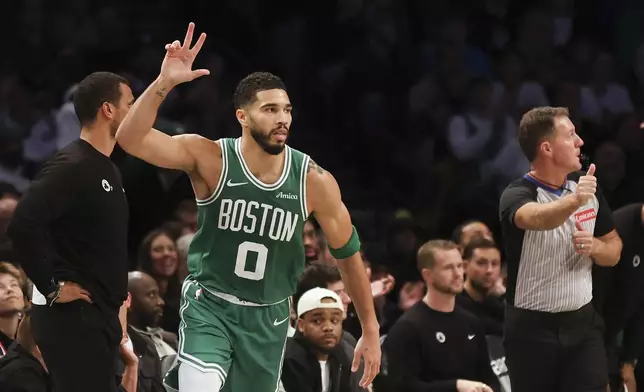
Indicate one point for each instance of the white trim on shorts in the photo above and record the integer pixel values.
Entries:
(187, 358)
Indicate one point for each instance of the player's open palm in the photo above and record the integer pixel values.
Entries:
(368, 348)
(177, 64)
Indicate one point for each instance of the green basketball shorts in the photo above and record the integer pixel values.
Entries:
(241, 343)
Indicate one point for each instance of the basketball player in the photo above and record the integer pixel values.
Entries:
(254, 194)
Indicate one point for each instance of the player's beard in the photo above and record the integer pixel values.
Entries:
(264, 141)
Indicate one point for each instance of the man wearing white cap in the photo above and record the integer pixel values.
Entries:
(314, 361)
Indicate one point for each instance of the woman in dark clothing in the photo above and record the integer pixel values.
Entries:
(158, 258)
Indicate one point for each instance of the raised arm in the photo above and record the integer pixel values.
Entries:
(525, 214)
(136, 135)
(325, 201)
(547, 216)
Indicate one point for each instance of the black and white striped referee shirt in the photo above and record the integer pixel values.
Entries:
(544, 271)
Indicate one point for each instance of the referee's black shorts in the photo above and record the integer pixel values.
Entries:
(79, 345)
(555, 352)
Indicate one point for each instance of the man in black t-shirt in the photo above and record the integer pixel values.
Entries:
(483, 269)
(69, 232)
(619, 296)
(435, 345)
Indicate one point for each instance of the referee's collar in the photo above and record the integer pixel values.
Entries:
(557, 191)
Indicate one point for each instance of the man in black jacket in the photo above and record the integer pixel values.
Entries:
(23, 368)
(314, 360)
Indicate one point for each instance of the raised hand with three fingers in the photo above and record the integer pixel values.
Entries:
(177, 64)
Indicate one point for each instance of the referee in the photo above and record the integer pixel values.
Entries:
(555, 223)
(619, 297)
(70, 234)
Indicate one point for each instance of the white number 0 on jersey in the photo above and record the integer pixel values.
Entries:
(242, 257)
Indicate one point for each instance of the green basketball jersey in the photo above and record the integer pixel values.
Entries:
(249, 241)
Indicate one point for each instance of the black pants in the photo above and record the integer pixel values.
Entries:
(79, 344)
(555, 352)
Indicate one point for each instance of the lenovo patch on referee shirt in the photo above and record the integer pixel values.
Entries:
(586, 215)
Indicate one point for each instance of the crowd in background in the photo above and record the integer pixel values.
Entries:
(412, 105)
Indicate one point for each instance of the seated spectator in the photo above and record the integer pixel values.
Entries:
(145, 312)
(314, 360)
(150, 372)
(23, 368)
(12, 304)
(468, 230)
(483, 270)
(327, 276)
(158, 258)
(311, 241)
(436, 346)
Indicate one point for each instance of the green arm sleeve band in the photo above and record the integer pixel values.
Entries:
(349, 249)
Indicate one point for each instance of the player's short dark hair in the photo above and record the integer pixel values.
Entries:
(536, 125)
(426, 258)
(478, 242)
(247, 89)
(96, 89)
(316, 274)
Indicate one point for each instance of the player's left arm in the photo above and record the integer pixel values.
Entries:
(325, 202)
(607, 245)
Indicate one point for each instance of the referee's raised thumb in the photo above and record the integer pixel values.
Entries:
(578, 225)
(591, 170)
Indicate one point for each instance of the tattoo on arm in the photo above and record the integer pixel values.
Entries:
(161, 92)
(314, 166)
